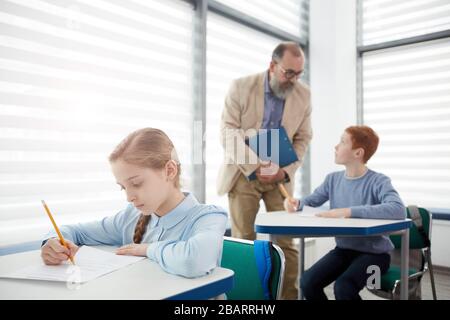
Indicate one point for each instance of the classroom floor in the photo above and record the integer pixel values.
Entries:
(442, 282)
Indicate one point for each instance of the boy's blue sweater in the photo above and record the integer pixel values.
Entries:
(370, 196)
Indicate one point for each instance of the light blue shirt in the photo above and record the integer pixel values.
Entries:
(370, 196)
(186, 241)
(273, 107)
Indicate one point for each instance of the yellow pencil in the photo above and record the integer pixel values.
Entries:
(61, 238)
(284, 191)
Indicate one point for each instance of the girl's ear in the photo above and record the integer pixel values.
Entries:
(171, 169)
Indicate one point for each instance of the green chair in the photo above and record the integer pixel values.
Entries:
(419, 261)
(239, 256)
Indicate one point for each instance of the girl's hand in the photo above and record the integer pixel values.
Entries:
(336, 213)
(133, 249)
(291, 205)
(54, 253)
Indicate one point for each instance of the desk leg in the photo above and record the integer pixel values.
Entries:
(404, 285)
(301, 265)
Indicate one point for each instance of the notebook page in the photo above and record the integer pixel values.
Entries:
(91, 263)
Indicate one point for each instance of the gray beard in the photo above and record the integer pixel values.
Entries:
(278, 91)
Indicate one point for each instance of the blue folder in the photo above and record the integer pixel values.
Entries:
(265, 147)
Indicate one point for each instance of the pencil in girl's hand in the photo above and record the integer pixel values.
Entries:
(61, 238)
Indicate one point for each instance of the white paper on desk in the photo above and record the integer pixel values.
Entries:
(308, 211)
(90, 263)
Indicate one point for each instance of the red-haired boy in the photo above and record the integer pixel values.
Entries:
(356, 192)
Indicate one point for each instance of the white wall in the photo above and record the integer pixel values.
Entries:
(440, 250)
(333, 79)
(333, 86)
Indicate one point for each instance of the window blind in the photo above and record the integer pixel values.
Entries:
(406, 99)
(288, 15)
(75, 78)
(234, 51)
(385, 20)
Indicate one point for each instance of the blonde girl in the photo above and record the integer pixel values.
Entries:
(160, 222)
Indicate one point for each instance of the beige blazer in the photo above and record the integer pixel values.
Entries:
(243, 115)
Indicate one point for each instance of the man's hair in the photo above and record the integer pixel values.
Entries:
(292, 47)
(364, 137)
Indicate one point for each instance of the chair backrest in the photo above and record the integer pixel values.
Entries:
(416, 240)
(239, 256)
(416, 243)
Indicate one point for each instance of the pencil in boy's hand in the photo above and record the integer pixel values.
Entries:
(61, 238)
(284, 191)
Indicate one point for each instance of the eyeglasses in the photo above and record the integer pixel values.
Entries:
(289, 73)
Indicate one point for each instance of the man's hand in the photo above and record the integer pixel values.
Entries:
(270, 173)
(336, 213)
(133, 249)
(54, 253)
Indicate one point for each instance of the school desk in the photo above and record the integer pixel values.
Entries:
(298, 226)
(142, 280)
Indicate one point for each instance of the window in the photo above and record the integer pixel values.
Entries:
(385, 20)
(406, 98)
(233, 51)
(75, 78)
(288, 15)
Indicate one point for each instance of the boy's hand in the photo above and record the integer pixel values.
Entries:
(133, 249)
(291, 205)
(336, 213)
(269, 172)
(54, 253)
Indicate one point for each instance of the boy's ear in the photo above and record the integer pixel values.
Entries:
(359, 153)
